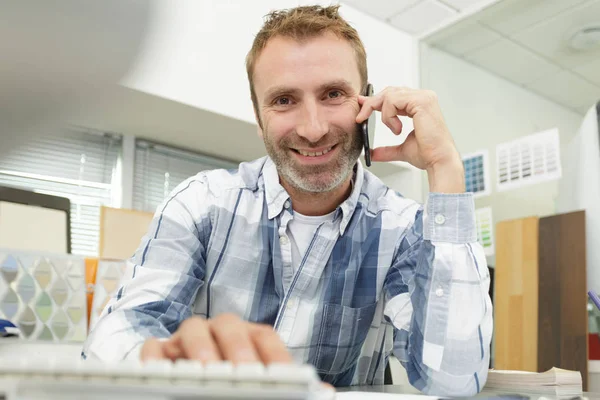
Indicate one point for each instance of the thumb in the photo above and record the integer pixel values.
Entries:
(407, 151)
(387, 153)
(172, 348)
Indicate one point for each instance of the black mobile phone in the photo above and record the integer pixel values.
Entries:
(367, 129)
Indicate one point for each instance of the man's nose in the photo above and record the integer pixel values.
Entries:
(314, 124)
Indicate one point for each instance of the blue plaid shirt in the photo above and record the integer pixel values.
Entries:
(386, 275)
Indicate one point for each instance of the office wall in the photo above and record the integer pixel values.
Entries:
(483, 110)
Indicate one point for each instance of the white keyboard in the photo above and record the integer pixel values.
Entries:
(49, 379)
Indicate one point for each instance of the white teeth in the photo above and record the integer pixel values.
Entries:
(320, 153)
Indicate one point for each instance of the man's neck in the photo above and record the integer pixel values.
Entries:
(313, 204)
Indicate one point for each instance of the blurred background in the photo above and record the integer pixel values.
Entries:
(110, 105)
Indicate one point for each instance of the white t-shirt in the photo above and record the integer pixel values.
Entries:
(301, 230)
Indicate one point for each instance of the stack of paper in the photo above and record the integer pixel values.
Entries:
(556, 381)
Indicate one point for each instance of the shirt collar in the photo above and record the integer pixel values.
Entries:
(349, 205)
(276, 195)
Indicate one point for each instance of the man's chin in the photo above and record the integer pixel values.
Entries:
(316, 184)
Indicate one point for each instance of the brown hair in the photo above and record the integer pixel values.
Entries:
(302, 23)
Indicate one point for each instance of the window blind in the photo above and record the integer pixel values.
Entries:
(159, 169)
(79, 165)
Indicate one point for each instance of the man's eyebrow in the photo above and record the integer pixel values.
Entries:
(340, 83)
(277, 91)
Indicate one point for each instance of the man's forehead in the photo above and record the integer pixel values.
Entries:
(319, 59)
(323, 48)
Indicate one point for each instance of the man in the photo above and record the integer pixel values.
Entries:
(305, 255)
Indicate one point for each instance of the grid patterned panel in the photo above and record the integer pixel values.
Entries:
(477, 176)
(529, 160)
(44, 295)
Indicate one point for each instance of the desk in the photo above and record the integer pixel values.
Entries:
(401, 389)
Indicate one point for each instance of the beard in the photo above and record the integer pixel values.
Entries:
(315, 178)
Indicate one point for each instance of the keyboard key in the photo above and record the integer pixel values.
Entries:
(290, 374)
(63, 368)
(157, 370)
(219, 373)
(94, 370)
(129, 371)
(187, 372)
(250, 375)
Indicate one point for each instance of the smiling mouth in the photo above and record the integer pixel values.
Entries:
(314, 154)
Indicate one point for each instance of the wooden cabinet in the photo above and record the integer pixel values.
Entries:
(540, 305)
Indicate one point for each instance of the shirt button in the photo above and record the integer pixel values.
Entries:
(283, 240)
(439, 219)
(291, 303)
(286, 204)
(439, 292)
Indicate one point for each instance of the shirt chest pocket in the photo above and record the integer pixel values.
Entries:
(342, 334)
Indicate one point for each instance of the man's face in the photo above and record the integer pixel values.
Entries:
(307, 103)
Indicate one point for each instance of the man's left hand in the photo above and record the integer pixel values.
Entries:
(429, 146)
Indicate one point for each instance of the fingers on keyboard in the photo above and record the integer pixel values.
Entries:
(196, 341)
(173, 350)
(232, 335)
(268, 344)
(225, 337)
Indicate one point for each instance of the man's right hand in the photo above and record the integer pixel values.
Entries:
(225, 337)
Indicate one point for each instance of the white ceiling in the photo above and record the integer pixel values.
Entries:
(526, 42)
(419, 17)
(523, 41)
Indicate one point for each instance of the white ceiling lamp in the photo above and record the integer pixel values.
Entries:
(586, 38)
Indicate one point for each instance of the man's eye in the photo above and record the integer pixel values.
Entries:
(283, 101)
(334, 94)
